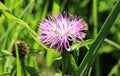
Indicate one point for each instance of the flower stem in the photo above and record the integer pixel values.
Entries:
(64, 63)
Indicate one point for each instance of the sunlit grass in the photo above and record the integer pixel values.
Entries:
(19, 20)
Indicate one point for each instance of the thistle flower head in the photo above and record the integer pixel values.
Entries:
(62, 30)
(22, 49)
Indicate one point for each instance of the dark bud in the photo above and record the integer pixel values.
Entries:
(22, 49)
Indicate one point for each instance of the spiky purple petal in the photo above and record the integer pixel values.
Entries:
(61, 30)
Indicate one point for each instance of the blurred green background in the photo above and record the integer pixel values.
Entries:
(33, 12)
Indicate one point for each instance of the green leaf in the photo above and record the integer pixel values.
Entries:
(72, 64)
(56, 63)
(115, 71)
(5, 52)
(51, 55)
(11, 17)
(56, 7)
(95, 18)
(2, 6)
(5, 74)
(83, 43)
(112, 43)
(32, 71)
(13, 71)
(45, 10)
(68, 64)
(18, 61)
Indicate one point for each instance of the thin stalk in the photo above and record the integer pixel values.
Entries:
(97, 66)
(64, 66)
(95, 21)
(63, 5)
(44, 11)
(56, 7)
(112, 43)
(89, 73)
(18, 64)
(95, 17)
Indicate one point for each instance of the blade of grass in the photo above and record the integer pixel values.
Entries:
(2, 6)
(115, 70)
(112, 43)
(89, 73)
(38, 41)
(32, 32)
(45, 10)
(18, 63)
(32, 71)
(56, 7)
(3, 74)
(72, 65)
(5, 52)
(95, 21)
(63, 5)
(21, 16)
(90, 55)
(11, 17)
(84, 43)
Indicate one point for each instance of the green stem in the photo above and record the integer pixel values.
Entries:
(112, 43)
(23, 67)
(63, 5)
(97, 65)
(90, 70)
(95, 21)
(18, 63)
(95, 18)
(44, 11)
(56, 7)
(64, 63)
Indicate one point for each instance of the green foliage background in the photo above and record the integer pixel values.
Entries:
(19, 20)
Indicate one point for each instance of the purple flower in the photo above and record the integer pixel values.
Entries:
(61, 30)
